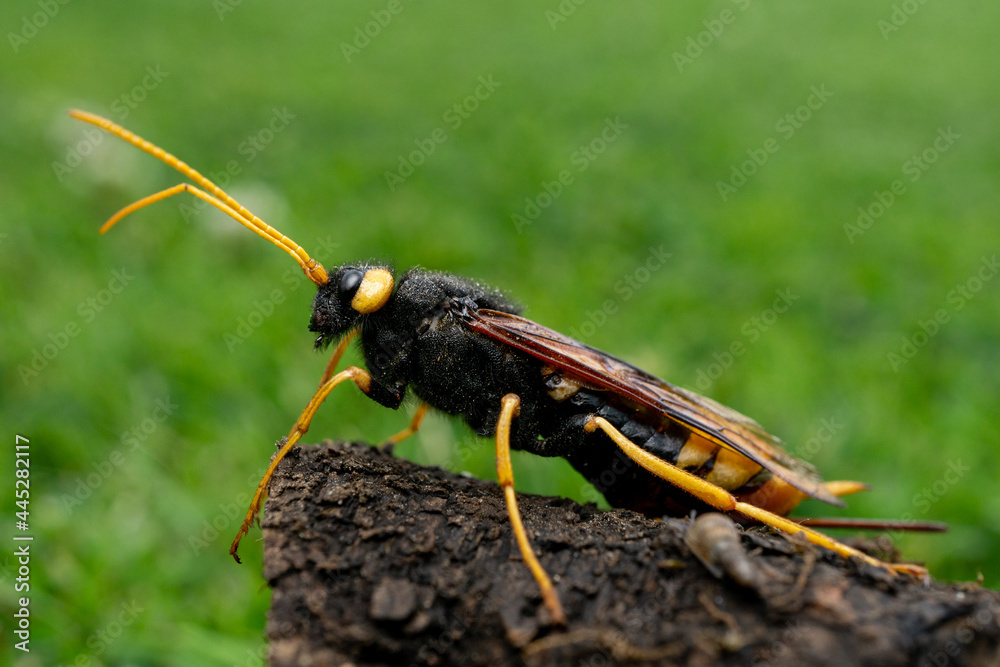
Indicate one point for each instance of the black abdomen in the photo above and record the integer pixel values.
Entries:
(622, 481)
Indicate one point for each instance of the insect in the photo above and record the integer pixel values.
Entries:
(464, 349)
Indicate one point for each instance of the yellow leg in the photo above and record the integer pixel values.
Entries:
(510, 404)
(721, 499)
(357, 375)
(418, 417)
(338, 352)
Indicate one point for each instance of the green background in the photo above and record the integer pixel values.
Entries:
(130, 562)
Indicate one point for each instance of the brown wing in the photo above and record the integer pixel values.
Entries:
(713, 421)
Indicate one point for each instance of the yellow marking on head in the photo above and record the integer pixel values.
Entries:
(374, 290)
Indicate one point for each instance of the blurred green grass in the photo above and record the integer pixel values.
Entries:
(151, 534)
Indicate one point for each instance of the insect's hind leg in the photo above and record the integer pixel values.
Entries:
(721, 499)
(510, 405)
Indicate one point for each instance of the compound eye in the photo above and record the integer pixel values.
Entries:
(349, 283)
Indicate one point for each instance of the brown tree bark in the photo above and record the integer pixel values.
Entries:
(377, 561)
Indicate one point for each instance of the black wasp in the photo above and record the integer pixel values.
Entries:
(464, 349)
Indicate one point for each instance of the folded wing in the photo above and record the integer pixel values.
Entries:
(713, 421)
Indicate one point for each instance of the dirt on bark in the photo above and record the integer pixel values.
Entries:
(374, 560)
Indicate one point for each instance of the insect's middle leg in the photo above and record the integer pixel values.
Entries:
(510, 405)
(418, 418)
(721, 499)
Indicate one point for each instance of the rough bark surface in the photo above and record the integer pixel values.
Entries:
(377, 561)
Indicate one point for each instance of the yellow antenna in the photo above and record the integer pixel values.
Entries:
(218, 198)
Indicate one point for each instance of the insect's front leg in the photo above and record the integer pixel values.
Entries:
(510, 405)
(722, 500)
(338, 352)
(361, 378)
